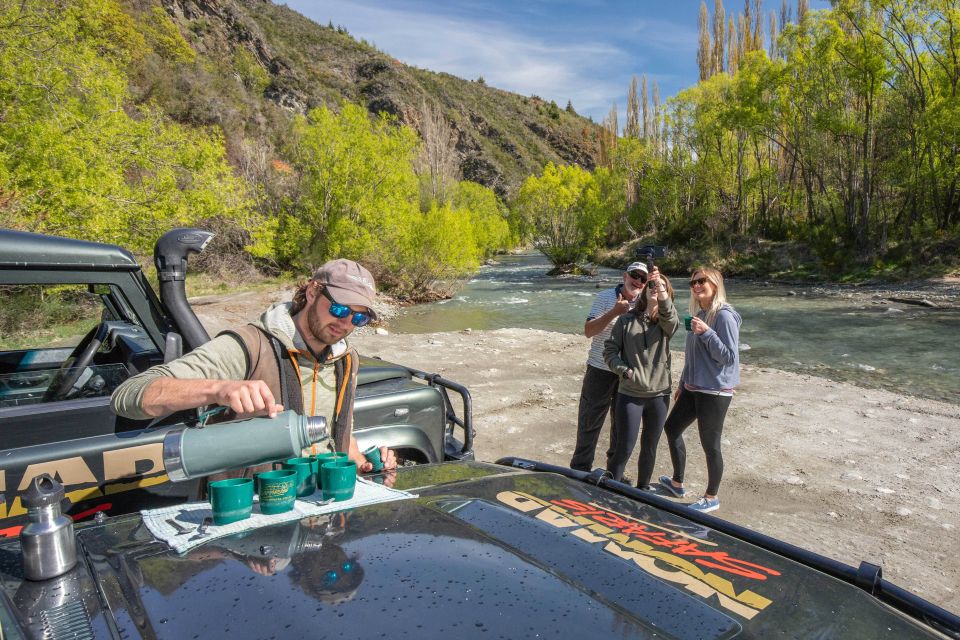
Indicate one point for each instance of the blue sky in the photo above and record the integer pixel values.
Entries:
(585, 51)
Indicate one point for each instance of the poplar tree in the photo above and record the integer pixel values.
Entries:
(773, 36)
(733, 59)
(632, 127)
(646, 108)
(703, 44)
(609, 130)
(719, 21)
(757, 25)
(655, 129)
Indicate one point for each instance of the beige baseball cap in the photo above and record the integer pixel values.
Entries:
(349, 283)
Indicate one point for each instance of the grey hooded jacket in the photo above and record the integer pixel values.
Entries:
(713, 357)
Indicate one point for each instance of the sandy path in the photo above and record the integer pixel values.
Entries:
(855, 474)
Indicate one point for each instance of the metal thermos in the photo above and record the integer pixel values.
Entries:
(48, 543)
(195, 452)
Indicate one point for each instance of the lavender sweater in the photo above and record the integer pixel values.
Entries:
(713, 357)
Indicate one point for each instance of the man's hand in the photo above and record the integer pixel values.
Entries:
(387, 457)
(621, 306)
(247, 398)
(389, 479)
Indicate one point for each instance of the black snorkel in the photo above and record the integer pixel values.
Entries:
(170, 256)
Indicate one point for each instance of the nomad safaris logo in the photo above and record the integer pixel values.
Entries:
(94, 480)
(698, 566)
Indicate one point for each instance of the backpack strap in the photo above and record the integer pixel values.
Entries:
(291, 394)
(346, 374)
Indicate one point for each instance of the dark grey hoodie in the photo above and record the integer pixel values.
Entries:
(643, 347)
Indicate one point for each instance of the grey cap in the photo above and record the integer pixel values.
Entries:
(636, 265)
(349, 283)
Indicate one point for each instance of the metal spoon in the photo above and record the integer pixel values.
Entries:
(181, 530)
(202, 529)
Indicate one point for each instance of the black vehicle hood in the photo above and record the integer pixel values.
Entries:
(484, 551)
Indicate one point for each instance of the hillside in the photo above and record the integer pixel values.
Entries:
(258, 63)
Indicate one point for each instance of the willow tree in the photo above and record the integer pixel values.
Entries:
(359, 193)
(563, 209)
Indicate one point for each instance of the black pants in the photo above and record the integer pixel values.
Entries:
(630, 413)
(709, 411)
(596, 399)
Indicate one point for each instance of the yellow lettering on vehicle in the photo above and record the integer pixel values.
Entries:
(522, 502)
(689, 582)
(118, 464)
(586, 536)
(657, 562)
(67, 471)
(15, 509)
(122, 463)
(553, 518)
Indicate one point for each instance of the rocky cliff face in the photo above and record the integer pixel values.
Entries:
(500, 137)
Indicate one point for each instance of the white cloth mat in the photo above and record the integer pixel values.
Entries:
(190, 515)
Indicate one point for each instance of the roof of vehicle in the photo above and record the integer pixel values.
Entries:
(22, 250)
(483, 551)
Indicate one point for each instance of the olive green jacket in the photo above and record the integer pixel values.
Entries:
(638, 345)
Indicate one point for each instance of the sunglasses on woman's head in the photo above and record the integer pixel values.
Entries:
(637, 275)
(338, 310)
(700, 281)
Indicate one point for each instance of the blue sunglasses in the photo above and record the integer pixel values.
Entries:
(338, 310)
(331, 577)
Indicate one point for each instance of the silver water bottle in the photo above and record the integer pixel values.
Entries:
(48, 543)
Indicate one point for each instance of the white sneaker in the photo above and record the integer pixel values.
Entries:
(705, 504)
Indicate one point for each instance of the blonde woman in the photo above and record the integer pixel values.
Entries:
(638, 351)
(710, 374)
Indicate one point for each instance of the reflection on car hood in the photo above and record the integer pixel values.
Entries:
(484, 551)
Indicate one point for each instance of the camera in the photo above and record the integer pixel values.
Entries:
(650, 251)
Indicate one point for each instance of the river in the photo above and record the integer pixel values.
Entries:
(908, 349)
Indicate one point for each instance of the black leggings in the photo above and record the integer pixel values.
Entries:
(709, 411)
(630, 412)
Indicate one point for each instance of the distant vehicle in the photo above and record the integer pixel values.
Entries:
(516, 549)
(55, 412)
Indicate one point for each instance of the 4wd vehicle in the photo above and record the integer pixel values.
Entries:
(54, 391)
(509, 550)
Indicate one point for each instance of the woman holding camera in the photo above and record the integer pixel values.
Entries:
(638, 350)
(710, 373)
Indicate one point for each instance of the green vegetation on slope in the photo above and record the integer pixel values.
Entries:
(116, 128)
